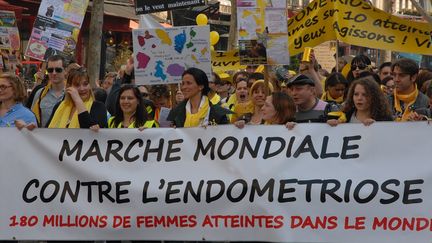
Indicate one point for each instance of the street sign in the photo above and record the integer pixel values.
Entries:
(151, 6)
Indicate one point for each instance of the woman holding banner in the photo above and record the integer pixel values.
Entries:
(365, 103)
(12, 94)
(130, 111)
(79, 108)
(278, 109)
(196, 109)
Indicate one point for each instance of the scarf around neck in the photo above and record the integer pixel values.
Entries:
(327, 97)
(408, 101)
(199, 118)
(62, 114)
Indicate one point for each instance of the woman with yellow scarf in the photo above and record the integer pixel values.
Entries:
(196, 109)
(79, 109)
(335, 88)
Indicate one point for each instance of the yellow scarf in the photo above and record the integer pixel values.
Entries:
(241, 109)
(327, 97)
(62, 114)
(194, 120)
(215, 99)
(36, 108)
(408, 100)
(232, 100)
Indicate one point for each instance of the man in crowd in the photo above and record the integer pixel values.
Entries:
(406, 98)
(46, 98)
(385, 70)
(309, 107)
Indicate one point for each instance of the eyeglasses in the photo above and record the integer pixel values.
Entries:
(57, 70)
(145, 95)
(4, 87)
(360, 66)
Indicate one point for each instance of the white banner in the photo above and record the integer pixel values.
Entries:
(265, 183)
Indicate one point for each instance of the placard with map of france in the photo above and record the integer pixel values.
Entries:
(162, 55)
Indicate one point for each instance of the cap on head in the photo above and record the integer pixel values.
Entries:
(300, 79)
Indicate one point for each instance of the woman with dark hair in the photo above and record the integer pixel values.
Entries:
(279, 108)
(335, 88)
(365, 103)
(79, 109)
(196, 109)
(359, 64)
(130, 110)
(12, 94)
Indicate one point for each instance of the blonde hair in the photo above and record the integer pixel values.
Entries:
(17, 84)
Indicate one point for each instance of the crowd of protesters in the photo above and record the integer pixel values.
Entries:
(354, 92)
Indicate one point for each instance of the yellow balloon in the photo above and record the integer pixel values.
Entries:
(214, 38)
(212, 48)
(201, 19)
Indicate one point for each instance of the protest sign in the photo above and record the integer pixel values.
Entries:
(56, 29)
(262, 32)
(356, 22)
(151, 6)
(9, 34)
(162, 55)
(9, 40)
(314, 183)
(226, 61)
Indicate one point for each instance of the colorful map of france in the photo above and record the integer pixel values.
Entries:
(162, 55)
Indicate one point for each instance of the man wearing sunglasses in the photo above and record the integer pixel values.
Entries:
(51, 94)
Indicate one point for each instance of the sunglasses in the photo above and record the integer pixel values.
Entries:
(360, 66)
(145, 95)
(57, 70)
